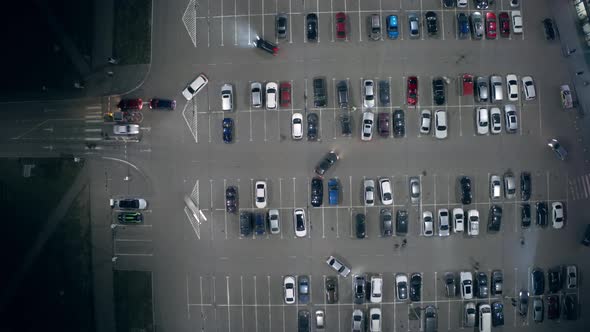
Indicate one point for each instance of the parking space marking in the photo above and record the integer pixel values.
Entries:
(255, 305)
(334, 96)
(242, 297)
(214, 298)
(317, 10)
(211, 210)
(262, 13)
(228, 302)
(264, 114)
(305, 96)
(188, 308)
(290, 26)
(249, 25)
(360, 28)
(281, 203)
(294, 198)
(222, 23)
(225, 212)
(269, 305)
(201, 295)
(350, 209)
(323, 227)
(250, 111)
(540, 113)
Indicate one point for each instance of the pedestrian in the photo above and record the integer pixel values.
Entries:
(404, 242)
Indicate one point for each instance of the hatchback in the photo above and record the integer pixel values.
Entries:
(392, 27)
(538, 309)
(340, 26)
(414, 25)
(509, 185)
(383, 124)
(496, 88)
(495, 187)
(297, 126)
(271, 96)
(374, 26)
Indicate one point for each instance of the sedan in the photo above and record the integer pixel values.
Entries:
(367, 130)
(466, 280)
(261, 194)
(495, 120)
(549, 30)
(470, 314)
(497, 282)
(557, 215)
(130, 104)
(231, 199)
(384, 95)
(415, 287)
(358, 321)
(482, 121)
(538, 281)
(369, 94)
(128, 203)
(256, 94)
(504, 24)
(289, 289)
(443, 222)
(369, 192)
(412, 91)
(401, 222)
(228, 130)
(399, 123)
(266, 46)
(541, 214)
(570, 307)
(512, 86)
(481, 285)
(538, 309)
(375, 320)
(495, 218)
(438, 91)
(167, 104)
(554, 280)
(273, 221)
(312, 126)
(340, 25)
(317, 192)
(331, 290)
(386, 218)
(312, 27)
(385, 191)
(342, 269)
(440, 124)
(473, 222)
(516, 21)
(361, 226)
(431, 23)
(415, 189)
(482, 89)
(281, 26)
(559, 150)
(401, 286)
(477, 28)
(465, 190)
(359, 288)
(458, 220)
(497, 314)
(528, 88)
(129, 129)
(326, 163)
(271, 96)
(414, 25)
(227, 96)
(462, 26)
(511, 119)
(297, 126)
(303, 290)
(299, 221)
(427, 224)
(130, 217)
(425, 120)
(553, 307)
(285, 94)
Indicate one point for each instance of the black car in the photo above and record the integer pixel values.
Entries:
(386, 222)
(541, 214)
(549, 29)
(586, 239)
(303, 321)
(245, 223)
(342, 93)
(361, 226)
(266, 46)
(497, 314)
(450, 284)
(312, 126)
(359, 289)
(317, 192)
(319, 92)
(554, 279)
(525, 186)
(495, 218)
(523, 302)
(465, 190)
(281, 26)
(162, 104)
(399, 123)
(525, 215)
(312, 27)
(231, 199)
(431, 23)
(346, 124)
(259, 224)
(438, 91)
(448, 3)
(482, 4)
(415, 287)
(331, 290)
(570, 308)
(384, 97)
(538, 281)
(481, 285)
(326, 163)
(553, 307)
(401, 222)
(130, 217)
(228, 130)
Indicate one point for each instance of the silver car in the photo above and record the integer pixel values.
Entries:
(369, 93)
(495, 187)
(511, 118)
(415, 189)
(337, 265)
(443, 222)
(358, 321)
(414, 23)
(256, 94)
(477, 28)
(481, 85)
(470, 314)
(509, 185)
(559, 150)
(496, 87)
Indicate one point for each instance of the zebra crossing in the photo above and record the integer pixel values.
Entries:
(580, 187)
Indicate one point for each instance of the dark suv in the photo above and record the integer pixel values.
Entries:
(312, 126)
(326, 163)
(361, 226)
(312, 27)
(431, 23)
(383, 124)
(245, 223)
(319, 92)
(541, 214)
(399, 123)
(317, 192)
(525, 186)
(359, 289)
(495, 218)
(401, 222)
(342, 91)
(465, 190)
(549, 30)
(438, 91)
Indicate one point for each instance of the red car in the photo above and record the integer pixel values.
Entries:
(504, 24)
(467, 84)
(490, 26)
(412, 96)
(285, 94)
(341, 25)
(553, 307)
(130, 104)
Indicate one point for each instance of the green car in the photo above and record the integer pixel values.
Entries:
(130, 217)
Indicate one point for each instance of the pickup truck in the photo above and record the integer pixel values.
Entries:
(128, 203)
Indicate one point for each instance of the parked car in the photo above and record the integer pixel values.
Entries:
(271, 96)
(473, 222)
(341, 28)
(495, 120)
(299, 222)
(470, 314)
(541, 214)
(558, 217)
(509, 185)
(538, 309)
(523, 302)
(497, 281)
(369, 93)
(245, 223)
(401, 222)
(266, 46)
(375, 320)
(431, 21)
(129, 203)
(463, 29)
(525, 186)
(303, 321)
(320, 96)
(312, 27)
(482, 4)
(399, 124)
(333, 192)
(289, 289)
(231, 199)
(374, 26)
(345, 124)
(337, 265)
(415, 287)
(458, 220)
(528, 88)
(438, 91)
(570, 307)
(259, 224)
(443, 222)
(427, 224)
(260, 189)
(586, 238)
(369, 192)
(297, 126)
(281, 25)
(525, 215)
(162, 104)
(511, 118)
(516, 22)
(376, 289)
(359, 288)
(256, 94)
(285, 94)
(392, 27)
(425, 121)
(342, 93)
(401, 286)
(367, 129)
(504, 20)
(476, 25)
(554, 280)
(227, 96)
(412, 91)
(496, 88)
(361, 226)
(430, 318)
(495, 218)
(482, 123)
(130, 217)
(384, 95)
(383, 124)
(317, 192)
(312, 126)
(495, 187)
(481, 85)
(331, 290)
(549, 30)
(538, 281)
(358, 321)
(465, 190)
(320, 317)
(386, 218)
(481, 283)
(228, 130)
(415, 189)
(553, 307)
(414, 25)
(512, 87)
(440, 124)
(497, 314)
(273, 221)
(450, 284)
(466, 280)
(326, 163)
(303, 289)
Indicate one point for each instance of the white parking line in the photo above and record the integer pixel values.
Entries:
(250, 26)
(222, 23)
(255, 305)
(235, 25)
(294, 198)
(263, 13)
(225, 211)
(281, 203)
(540, 114)
(350, 209)
(332, 20)
(242, 296)
(269, 305)
(201, 295)
(360, 29)
(214, 298)
(317, 5)
(211, 206)
(290, 42)
(188, 308)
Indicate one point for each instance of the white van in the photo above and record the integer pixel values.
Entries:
(566, 96)
(485, 318)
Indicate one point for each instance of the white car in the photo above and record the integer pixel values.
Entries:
(425, 120)
(512, 87)
(299, 222)
(256, 94)
(444, 228)
(273, 221)
(195, 86)
(440, 124)
(297, 126)
(127, 129)
(337, 265)
(427, 224)
(376, 289)
(401, 282)
(128, 203)
(528, 88)
(472, 223)
(375, 320)
(369, 192)
(367, 130)
(289, 289)
(461, 3)
(557, 213)
(511, 118)
(466, 280)
(495, 187)
(458, 220)
(271, 96)
(495, 120)
(261, 194)
(227, 96)
(369, 93)
(386, 191)
(516, 21)
(482, 122)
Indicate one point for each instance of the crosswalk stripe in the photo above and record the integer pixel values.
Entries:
(93, 121)
(93, 107)
(92, 117)
(574, 194)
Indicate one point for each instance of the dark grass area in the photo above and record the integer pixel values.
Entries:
(77, 18)
(57, 290)
(133, 301)
(132, 31)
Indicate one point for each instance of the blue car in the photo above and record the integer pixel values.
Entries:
(228, 130)
(334, 191)
(259, 224)
(463, 26)
(392, 30)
